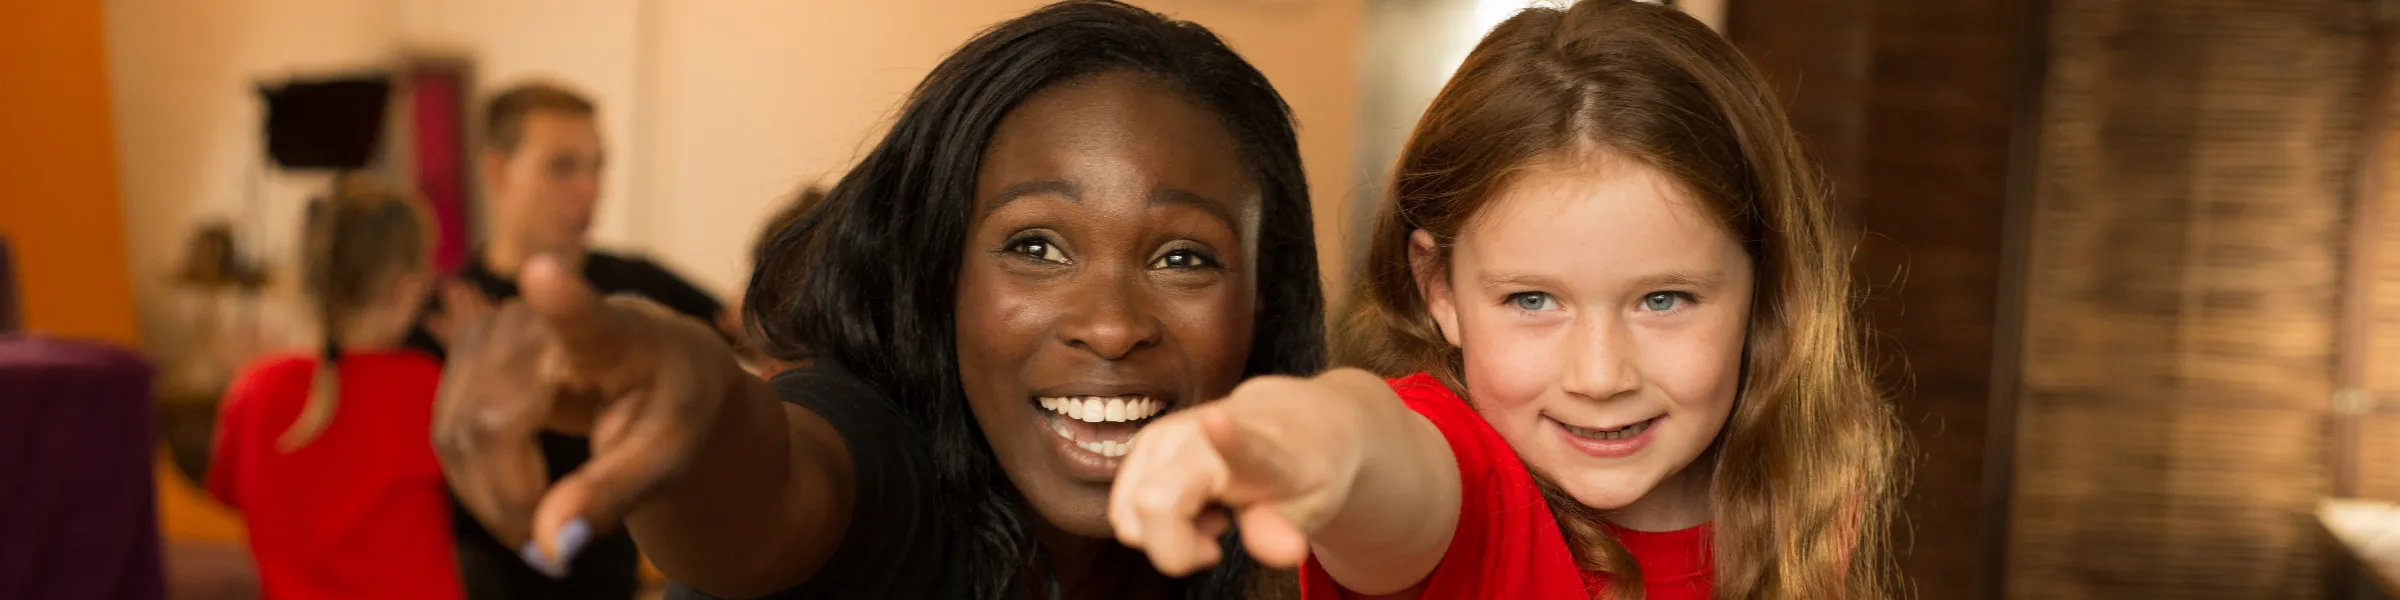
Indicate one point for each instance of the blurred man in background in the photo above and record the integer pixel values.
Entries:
(540, 167)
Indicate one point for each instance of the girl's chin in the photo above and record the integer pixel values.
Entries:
(1604, 489)
(1607, 499)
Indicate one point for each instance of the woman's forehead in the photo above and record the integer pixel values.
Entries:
(1119, 131)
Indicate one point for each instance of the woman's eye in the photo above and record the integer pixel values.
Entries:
(1533, 301)
(1038, 248)
(1662, 301)
(1183, 259)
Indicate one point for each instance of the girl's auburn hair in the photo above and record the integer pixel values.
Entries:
(1806, 472)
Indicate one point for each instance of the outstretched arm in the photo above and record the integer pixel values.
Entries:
(726, 488)
(1334, 465)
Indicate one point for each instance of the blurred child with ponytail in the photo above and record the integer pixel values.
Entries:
(327, 452)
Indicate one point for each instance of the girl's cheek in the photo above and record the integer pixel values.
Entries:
(1508, 370)
(1698, 372)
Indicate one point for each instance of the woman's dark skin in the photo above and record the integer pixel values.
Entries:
(1111, 252)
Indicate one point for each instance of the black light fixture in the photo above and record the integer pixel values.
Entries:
(326, 124)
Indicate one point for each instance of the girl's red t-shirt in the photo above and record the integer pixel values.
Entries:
(1508, 543)
(358, 512)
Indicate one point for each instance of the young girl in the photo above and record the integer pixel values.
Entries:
(326, 453)
(1611, 300)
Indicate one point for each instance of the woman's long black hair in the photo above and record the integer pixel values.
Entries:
(868, 277)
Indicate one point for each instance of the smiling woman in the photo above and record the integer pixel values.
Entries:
(1104, 266)
(1136, 211)
(1083, 219)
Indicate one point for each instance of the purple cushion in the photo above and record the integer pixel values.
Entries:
(78, 516)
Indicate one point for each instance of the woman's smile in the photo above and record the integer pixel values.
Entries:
(1093, 433)
(1091, 425)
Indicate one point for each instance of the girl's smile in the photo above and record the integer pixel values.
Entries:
(1605, 442)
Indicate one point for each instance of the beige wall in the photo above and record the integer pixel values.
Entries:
(1311, 50)
(715, 111)
(182, 82)
(181, 79)
(758, 98)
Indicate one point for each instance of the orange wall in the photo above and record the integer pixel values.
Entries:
(59, 204)
(58, 181)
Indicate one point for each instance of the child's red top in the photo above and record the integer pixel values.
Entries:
(360, 511)
(1508, 543)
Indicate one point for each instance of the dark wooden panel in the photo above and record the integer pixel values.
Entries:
(2139, 503)
(2185, 229)
(2195, 163)
(1818, 53)
(2379, 458)
(1908, 105)
(1929, 203)
(2383, 319)
(2383, 345)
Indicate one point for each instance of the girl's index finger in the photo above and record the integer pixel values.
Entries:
(1254, 464)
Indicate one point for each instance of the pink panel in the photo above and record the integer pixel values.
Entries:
(437, 100)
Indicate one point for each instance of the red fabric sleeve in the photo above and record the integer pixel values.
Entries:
(1507, 544)
(235, 416)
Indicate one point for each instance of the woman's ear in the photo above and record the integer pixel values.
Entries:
(1433, 282)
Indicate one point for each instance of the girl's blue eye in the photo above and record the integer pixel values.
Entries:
(1661, 301)
(1533, 301)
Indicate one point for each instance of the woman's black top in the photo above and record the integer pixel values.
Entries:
(895, 544)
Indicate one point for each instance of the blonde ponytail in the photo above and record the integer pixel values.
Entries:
(324, 393)
(355, 245)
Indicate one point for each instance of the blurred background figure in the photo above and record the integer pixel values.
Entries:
(324, 451)
(783, 218)
(540, 164)
(2133, 265)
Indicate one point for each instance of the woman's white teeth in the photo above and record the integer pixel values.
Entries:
(1095, 409)
(1108, 449)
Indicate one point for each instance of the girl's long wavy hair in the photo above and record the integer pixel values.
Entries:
(868, 276)
(1805, 472)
